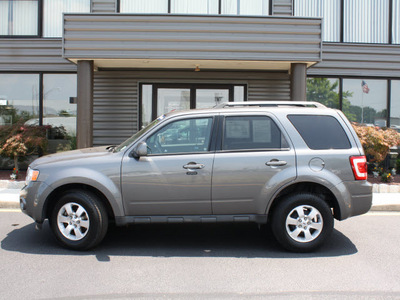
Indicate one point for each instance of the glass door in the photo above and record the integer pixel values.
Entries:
(171, 99)
(206, 98)
(160, 98)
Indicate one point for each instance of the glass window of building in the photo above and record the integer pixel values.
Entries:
(194, 7)
(366, 21)
(329, 10)
(365, 101)
(324, 91)
(396, 22)
(19, 98)
(144, 6)
(19, 17)
(57, 111)
(52, 14)
(395, 105)
(245, 7)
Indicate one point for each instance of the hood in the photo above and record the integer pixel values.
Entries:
(71, 155)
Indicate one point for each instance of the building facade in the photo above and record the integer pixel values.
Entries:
(105, 68)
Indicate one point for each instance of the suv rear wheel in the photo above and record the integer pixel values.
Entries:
(79, 220)
(302, 222)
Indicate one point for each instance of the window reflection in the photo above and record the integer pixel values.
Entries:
(395, 105)
(396, 22)
(244, 7)
(144, 6)
(366, 102)
(194, 7)
(57, 111)
(19, 17)
(19, 97)
(329, 10)
(324, 91)
(53, 14)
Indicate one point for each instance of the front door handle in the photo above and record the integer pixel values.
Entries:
(193, 165)
(276, 163)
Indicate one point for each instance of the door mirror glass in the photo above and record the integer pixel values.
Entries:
(140, 150)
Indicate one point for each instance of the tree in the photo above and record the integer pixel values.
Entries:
(324, 91)
(376, 141)
(19, 140)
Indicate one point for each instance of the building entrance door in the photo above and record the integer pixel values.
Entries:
(162, 98)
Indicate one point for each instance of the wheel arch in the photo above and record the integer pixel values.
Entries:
(51, 199)
(308, 187)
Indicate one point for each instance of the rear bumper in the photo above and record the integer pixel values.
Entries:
(357, 198)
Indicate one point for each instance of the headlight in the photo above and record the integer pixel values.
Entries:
(31, 175)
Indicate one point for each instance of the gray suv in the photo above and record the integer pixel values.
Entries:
(293, 165)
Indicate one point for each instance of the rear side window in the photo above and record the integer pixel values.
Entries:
(320, 132)
(252, 133)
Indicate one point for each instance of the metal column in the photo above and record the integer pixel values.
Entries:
(84, 120)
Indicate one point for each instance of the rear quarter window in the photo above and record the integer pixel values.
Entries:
(320, 132)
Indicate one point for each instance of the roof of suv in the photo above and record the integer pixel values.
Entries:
(309, 106)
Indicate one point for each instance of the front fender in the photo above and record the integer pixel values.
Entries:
(109, 187)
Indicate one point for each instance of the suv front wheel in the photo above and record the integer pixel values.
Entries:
(302, 222)
(79, 220)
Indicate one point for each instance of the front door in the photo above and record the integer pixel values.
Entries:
(175, 177)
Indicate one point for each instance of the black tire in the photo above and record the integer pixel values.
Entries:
(303, 233)
(79, 220)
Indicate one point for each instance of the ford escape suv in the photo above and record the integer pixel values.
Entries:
(295, 165)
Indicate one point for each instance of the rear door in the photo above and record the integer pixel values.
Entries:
(253, 161)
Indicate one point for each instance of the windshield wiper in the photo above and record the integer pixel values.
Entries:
(111, 148)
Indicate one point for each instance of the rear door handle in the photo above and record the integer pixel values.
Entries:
(276, 163)
(193, 165)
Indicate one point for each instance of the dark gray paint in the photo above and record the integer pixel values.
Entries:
(358, 60)
(97, 36)
(33, 55)
(282, 7)
(84, 136)
(103, 6)
(298, 82)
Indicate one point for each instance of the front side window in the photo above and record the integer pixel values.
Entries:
(19, 17)
(182, 136)
(251, 133)
(52, 14)
(320, 132)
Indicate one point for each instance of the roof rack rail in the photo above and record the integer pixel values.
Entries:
(271, 104)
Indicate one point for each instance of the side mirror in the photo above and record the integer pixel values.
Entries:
(140, 150)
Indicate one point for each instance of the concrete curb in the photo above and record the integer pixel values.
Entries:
(11, 184)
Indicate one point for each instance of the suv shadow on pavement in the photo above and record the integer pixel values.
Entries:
(173, 240)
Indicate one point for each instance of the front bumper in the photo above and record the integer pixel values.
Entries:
(32, 200)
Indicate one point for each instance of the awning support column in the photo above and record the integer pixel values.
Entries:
(298, 82)
(84, 120)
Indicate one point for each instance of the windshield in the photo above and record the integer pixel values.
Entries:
(137, 135)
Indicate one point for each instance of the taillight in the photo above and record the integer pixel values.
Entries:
(359, 166)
